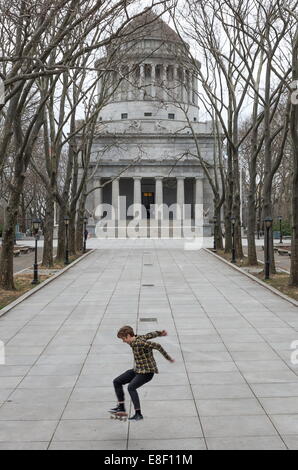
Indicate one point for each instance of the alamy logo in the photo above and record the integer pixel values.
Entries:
(2, 92)
(294, 355)
(2, 353)
(154, 221)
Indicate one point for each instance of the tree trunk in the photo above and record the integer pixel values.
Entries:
(236, 189)
(48, 256)
(22, 215)
(294, 251)
(11, 214)
(72, 233)
(267, 187)
(251, 223)
(79, 235)
(228, 205)
(267, 212)
(252, 196)
(294, 135)
(218, 230)
(80, 223)
(251, 227)
(61, 235)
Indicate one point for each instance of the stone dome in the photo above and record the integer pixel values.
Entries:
(149, 25)
(154, 73)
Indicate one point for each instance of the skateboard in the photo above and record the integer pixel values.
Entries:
(120, 416)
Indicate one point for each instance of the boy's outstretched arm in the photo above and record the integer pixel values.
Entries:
(159, 348)
(154, 334)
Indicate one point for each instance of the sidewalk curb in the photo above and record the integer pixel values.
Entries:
(42, 285)
(253, 278)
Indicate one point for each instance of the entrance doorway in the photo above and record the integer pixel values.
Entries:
(148, 199)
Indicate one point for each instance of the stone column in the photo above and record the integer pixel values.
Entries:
(165, 83)
(122, 85)
(180, 198)
(137, 197)
(194, 94)
(184, 88)
(199, 201)
(118, 91)
(115, 198)
(177, 84)
(195, 91)
(190, 91)
(153, 81)
(98, 199)
(158, 197)
(129, 83)
(142, 81)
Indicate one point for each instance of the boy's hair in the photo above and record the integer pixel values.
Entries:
(125, 331)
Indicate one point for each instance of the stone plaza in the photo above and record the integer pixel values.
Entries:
(233, 385)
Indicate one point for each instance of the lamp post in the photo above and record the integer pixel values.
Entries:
(66, 223)
(85, 233)
(233, 220)
(268, 224)
(35, 226)
(280, 229)
(214, 224)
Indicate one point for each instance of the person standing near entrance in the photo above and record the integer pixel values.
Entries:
(143, 371)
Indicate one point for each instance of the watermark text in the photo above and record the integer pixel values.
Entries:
(2, 353)
(294, 355)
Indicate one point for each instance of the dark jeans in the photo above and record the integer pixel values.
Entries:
(135, 381)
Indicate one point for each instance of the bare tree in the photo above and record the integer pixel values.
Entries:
(245, 45)
(42, 40)
(294, 136)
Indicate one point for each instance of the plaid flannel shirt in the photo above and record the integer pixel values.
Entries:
(143, 353)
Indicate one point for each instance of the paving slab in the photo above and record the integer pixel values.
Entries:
(247, 443)
(90, 430)
(167, 444)
(286, 424)
(23, 445)
(31, 411)
(26, 431)
(233, 385)
(291, 442)
(166, 428)
(89, 445)
(280, 405)
(235, 426)
(229, 407)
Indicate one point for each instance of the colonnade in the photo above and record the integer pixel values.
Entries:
(150, 81)
(159, 200)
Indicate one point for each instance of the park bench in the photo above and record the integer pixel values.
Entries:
(284, 252)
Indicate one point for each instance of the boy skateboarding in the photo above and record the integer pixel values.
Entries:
(143, 371)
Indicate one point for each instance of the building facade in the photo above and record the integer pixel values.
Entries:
(144, 152)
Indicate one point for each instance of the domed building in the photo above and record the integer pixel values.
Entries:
(144, 146)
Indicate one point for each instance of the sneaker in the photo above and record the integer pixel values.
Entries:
(136, 417)
(118, 409)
